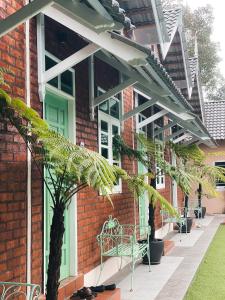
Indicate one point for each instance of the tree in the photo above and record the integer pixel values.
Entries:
(198, 24)
(69, 169)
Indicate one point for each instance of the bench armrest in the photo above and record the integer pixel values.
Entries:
(17, 289)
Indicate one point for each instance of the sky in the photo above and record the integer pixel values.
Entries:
(219, 24)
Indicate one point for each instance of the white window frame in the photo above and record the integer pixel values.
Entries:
(58, 89)
(160, 177)
(220, 187)
(110, 120)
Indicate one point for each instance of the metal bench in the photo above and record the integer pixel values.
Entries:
(16, 290)
(116, 240)
(180, 219)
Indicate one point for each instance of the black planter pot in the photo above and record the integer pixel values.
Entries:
(189, 224)
(156, 251)
(200, 215)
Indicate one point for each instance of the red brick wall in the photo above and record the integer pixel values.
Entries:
(93, 209)
(13, 165)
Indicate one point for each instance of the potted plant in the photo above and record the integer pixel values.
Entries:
(201, 210)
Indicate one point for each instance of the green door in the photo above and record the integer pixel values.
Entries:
(143, 207)
(143, 200)
(56, 114)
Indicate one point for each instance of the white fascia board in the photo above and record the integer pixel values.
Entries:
(70, 61)
(67, 18)
(181, 138)
(185, 60)
(23, 14)
(114, 91)
(87, 16)
(138, 109)
(100, 9)
(153, 118)
(160, 26)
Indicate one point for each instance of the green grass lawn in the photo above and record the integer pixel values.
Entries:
(209, 281)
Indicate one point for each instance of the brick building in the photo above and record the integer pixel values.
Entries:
(79, 66)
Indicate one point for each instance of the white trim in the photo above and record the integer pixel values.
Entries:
(175, 134)
(161, 176)
(29, 174)
(181, 138)
(41, 55)
(153, 118)
(114, 91)
(110, 120)
(70, 62)
(59, 90)
(73, 268)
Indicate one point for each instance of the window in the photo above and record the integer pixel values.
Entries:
(222, 165)
(160, 176)
(109, 125)
(64, 81)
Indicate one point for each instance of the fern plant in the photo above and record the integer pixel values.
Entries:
(69, 169)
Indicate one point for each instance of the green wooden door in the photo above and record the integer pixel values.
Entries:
(143, 200)
(56, 114)
(143, 207)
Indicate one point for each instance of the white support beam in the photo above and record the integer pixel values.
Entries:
(181, 138)
(41, 56)
(138, 109)
(114, 91)
(167, 138)
(160, 130)
(70, 61)
(153, 118)
(91, 83)
(23, 14)
(194, 131)
(191, 141)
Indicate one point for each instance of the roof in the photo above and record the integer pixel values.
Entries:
(171, 17)
(193, 63)
(215, 119)
(118, 13)
(139, 11)
(158, 68)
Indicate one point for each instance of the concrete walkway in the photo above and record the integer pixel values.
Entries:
(171, 279)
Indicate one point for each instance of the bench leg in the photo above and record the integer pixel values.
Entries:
(132, 275)
(121, 261)
(149, 262)
(101, 268)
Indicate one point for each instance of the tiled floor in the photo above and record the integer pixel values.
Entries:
(170, 279)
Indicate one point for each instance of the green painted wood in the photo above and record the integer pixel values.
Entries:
(56, 114)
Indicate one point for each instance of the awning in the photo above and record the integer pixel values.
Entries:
(137, 63)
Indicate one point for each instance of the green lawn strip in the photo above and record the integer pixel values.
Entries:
(209, 280)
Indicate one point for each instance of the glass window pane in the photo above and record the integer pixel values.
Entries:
(49, 63)
(105, 153)
(104, 126)
(115, 130)
(67, 82)
(104, 107)
(104, 139)
(114, 108)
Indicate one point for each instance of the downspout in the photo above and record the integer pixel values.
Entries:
(174, 184)
(29, 206)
